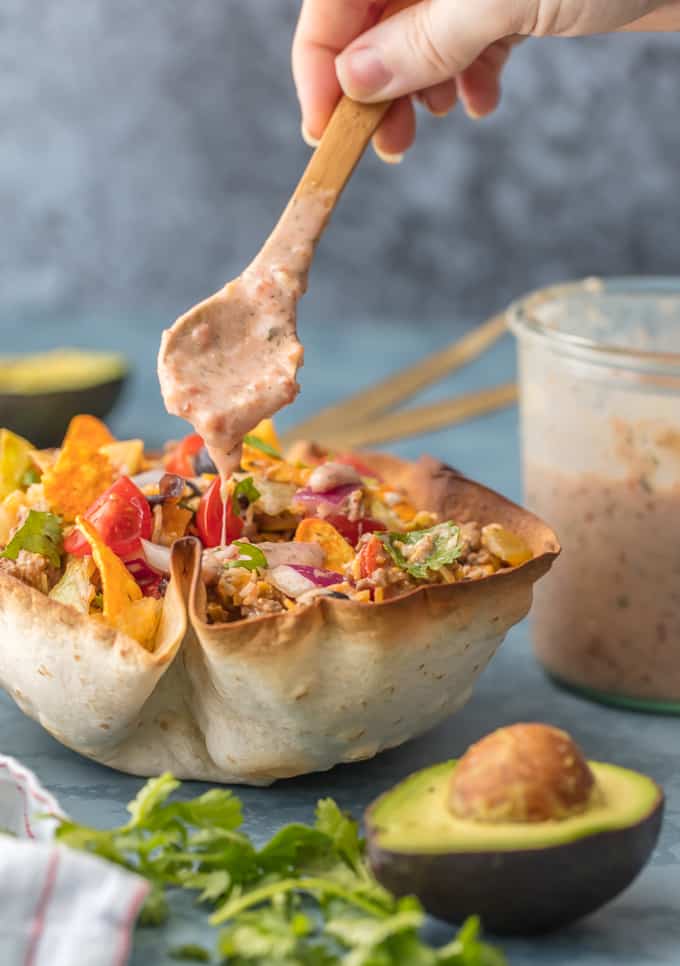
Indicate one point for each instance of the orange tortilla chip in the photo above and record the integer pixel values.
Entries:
(337, 552)
(87, 431)
(267, 433)
(124, 605)
(81, 473)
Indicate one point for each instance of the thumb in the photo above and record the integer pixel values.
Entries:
(423, 45)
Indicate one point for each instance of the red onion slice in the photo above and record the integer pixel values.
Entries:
(318, 576)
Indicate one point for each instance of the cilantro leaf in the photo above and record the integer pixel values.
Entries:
(40, 533)
(305, 898)
(441, 545)
(190, 953)
(342, 830)
(149, 798)
(250, 557)
(245, 489)
(260, 444)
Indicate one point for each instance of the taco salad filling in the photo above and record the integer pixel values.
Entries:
(91, 525)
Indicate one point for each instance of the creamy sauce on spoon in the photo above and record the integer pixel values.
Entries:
(232, 361)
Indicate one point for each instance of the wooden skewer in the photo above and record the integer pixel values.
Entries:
(422, 419)
(360, 408)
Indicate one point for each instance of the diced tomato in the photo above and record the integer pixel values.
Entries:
(210, 516)
(353, 529)
(351, 459)
(369, 556)
(121, 516)
(179, 460)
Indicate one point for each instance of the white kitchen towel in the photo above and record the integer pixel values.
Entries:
(58, 907)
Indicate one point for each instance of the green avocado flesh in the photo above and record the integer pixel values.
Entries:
(414, 818)
(59, 370)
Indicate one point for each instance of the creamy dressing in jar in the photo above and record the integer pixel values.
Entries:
(600, 416)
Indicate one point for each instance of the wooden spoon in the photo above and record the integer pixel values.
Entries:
(232, 360)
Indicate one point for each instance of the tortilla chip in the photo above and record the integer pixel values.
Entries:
(337, 552)
(81, 473)
(124, 608)
(126, 456)
(175, 519)
(87, 431)
(267, 433)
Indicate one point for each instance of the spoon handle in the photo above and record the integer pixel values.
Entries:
(347, 134)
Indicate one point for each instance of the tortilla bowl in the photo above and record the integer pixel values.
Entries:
(279, 695)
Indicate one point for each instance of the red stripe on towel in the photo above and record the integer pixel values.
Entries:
(38, 924)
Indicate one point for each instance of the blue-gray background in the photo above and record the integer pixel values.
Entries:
(147, 148)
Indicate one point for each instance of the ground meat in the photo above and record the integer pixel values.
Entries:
(482, 558)
(32, 569)
(263, 605)
(471, 538)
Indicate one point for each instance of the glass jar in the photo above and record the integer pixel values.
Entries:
(599, 364)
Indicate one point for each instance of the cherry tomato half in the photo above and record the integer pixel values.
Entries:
(121, 516)
(179, 461)
(210, 516)
(369, 556)
(353, 529)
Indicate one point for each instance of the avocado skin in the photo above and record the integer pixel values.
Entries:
(523, 892)
(43, 418)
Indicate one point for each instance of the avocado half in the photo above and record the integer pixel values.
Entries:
(40, 394)
(520, 878)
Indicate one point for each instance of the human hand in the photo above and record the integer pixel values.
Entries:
(440, 51)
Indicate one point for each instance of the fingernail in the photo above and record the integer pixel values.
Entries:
(362, 73)
(308, 138)
(438, 103)
(388, 158)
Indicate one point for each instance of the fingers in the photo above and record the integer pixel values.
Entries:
(324, 29)
(397, 132)
(421, 47)
(479, 84)
(440, 99)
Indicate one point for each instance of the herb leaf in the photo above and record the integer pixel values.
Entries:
(306, 898)
(250, 557)
(190, 953)
(260, 444)
(245, 490)
(441, 546)
(40, 533)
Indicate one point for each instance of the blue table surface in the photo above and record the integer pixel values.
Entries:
(642, 926)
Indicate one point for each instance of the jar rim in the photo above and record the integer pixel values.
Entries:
(523, 319)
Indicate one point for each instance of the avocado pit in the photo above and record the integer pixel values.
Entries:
(523, 773)
(522, 831)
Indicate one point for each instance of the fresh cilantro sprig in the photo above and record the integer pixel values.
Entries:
(40, 533)
(305, 898)
(445, 547)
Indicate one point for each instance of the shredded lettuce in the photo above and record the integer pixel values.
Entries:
(443, 546)
(250, 557)
(260, 444)
(40, 533)
(75, 587)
